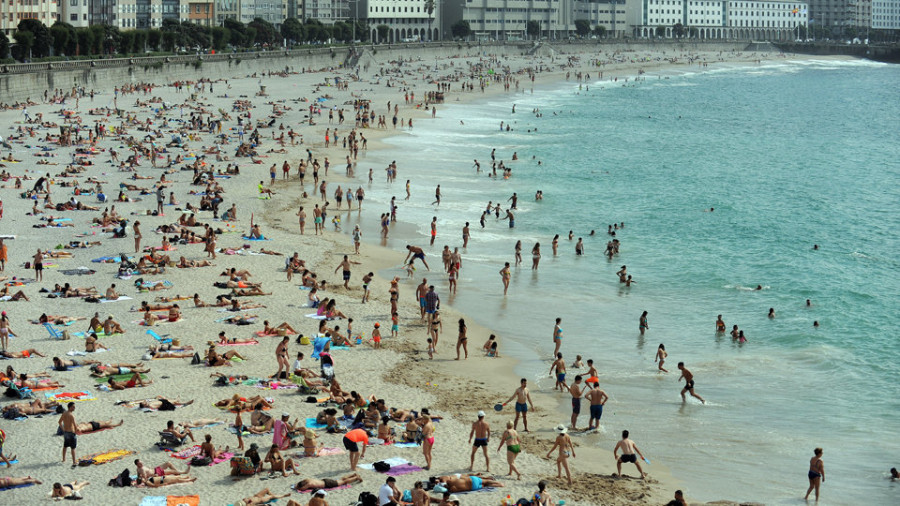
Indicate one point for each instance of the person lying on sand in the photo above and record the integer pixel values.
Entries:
(466, 482)
(164, 469)
(21, 354)
(249, 292)
(267, 330)
(68, 490)
(35, 407)
(102, 371)
(25, 382)
(9, 481)
(13, 297)
(244, 404)
(161, 401)
(135, 381)
(162, 481)
(328, 483)
(58, 319)
(61, 364)
(183, 263)
(88, 427)
(264, 496)
(223, 340)
(201, 422)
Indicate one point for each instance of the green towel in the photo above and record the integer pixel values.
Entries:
(119, 377)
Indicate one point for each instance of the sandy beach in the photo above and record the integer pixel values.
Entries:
(400, 372)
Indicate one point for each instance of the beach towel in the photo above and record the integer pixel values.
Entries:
(121, 297)
(407, 445)
(244, 237)
(262, 333)
(154, 500)
(394, 462)
(238, 344)
(13, 461)
(316, 316)
(110, 260)
(118, 377)
(183, 500)
(64, 397)
(150, 284)
(485, 489)
(311, 424)
(403, 469)
(104, 457)
(17, 486)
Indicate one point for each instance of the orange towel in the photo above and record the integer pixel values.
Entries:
(183, 500)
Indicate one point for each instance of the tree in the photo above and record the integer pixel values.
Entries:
(169, 40)
(99, 35)
(461, 29)
(383, 31)
(582, 27)
(265, 31)
(533, 29)
(43, 41)
(126, 42)
(801, 31)
(85, 40)
(154, 39)
(292, 29)
(361, 31)
(660, 31)
(4, 46)
(140, 41)
(678, 30)
(61, 35)
(237, 32)
(429, 8)
(600, 31)
(220, 37)
(24, 45)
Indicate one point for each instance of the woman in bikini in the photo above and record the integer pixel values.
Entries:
(427, 440)
(462, 340)
(510, 438)
(279, 463)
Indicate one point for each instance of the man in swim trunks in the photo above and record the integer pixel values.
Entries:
(560, 366)
(689, 383)
(628, 454)
(467, 483)
(432, 304)
(421, 290)
(87, 428)
(523, 400)
(135, 381)
(416, 253)
(165, 469)
(481, 430)
(69, 429)
(597, 398)
(577, 391)
(345, 265)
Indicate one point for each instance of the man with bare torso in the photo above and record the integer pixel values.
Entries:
(421, 290)
(560, 366)
(597, 399)
(523, 400)
(69, 429)
(689, 383)
(481, 430)
(629, 449)
(577, 391)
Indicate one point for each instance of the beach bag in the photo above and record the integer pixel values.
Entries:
(196, 360)
(243, 466)
(201, 461)
(367, 499)
(381, 466)
(65, 335)
(122, 480)
(304, 340)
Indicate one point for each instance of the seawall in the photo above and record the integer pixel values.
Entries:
(19, 82)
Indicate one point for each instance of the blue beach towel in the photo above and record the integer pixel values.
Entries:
(319, 346)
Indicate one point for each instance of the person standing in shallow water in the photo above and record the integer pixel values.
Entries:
(816, 473)
(642, 324)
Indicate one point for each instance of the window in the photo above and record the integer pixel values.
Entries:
(73, 17)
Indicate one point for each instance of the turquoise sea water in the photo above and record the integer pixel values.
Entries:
(789, 154)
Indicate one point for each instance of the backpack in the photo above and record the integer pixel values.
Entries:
(381, 466)
(367, 499)
(196, 360)
(122, 480)
(201, 461)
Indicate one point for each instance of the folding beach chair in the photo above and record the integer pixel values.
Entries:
(161, 339)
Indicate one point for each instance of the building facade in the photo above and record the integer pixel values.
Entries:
(408, 20)
(14, 11)
(201, 12)
(719, 19)
(886, 14)
(268, 10)
(610, 14)
(75, 12)
(508, 19)
(328, 11)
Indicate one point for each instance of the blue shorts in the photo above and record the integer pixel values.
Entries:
(521, 408)
(395, 328)
(421, 301)
(597, 411)
(476, 483)
(512, 223)
(561, 377)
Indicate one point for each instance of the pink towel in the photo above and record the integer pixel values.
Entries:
(237, 344)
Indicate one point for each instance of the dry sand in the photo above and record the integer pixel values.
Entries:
(399, 373)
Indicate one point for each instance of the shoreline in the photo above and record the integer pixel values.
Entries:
(385, 373)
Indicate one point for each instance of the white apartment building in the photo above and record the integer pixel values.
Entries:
(508, 19)
(268, 10)
(886, 14)
(327, 11)
(720, 19)
(144, 14)
(75, 12)
(14, 11)
(611, 14)
(408, 20)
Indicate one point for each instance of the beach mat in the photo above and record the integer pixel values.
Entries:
(393, 461)
(311, 424)
(104, 457)
(118, 377)
(121, 297)
(17, 486)
(13, 461)
(64, 397)
(195, 451)
(403, 469)
(294, 489)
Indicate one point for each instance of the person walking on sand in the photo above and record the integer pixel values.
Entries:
(557, 336)
(69, 430)
(462, 339)
(481, 430)
(345, 265)
(38, 264)
(523, 400)
(510, 438)
(560, 366)
(566, 450)
(137, 236)
(281, 355)
(628, 449)
(816, 473)
(504, 277)
(4, 331)
(661, 355)
(689, 383)
(597, 399)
